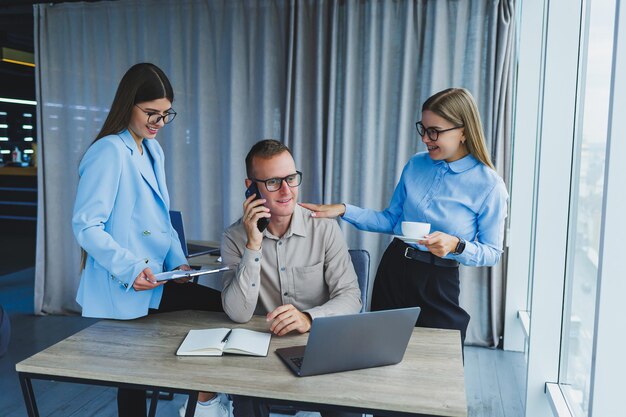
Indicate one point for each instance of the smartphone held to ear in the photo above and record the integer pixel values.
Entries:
(263, 222)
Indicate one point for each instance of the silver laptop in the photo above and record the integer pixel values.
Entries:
(355, 341)
(189, 249)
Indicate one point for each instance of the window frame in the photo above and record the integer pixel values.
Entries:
(546, 234)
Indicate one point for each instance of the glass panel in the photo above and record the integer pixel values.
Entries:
(586, 208)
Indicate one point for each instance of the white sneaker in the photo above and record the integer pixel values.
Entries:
(215, 408)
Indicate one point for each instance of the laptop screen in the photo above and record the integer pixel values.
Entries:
(189, 249)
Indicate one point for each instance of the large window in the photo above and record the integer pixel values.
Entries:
(576, 339)
(586, 207)
(572, 79)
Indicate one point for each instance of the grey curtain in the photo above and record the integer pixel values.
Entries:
(341, 82)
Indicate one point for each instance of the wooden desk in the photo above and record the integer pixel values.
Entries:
(429, 381)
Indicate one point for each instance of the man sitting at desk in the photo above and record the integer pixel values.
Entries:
(293, 271)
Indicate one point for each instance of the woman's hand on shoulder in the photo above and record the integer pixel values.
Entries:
(325, 210)
(439, 243)
(146, 281)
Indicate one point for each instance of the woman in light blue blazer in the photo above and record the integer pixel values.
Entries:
(121, 218)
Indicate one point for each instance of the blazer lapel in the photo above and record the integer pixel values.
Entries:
(159, 169)
(158, 164)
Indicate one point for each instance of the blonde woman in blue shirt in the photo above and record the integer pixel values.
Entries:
(454, 187)
(121, 221)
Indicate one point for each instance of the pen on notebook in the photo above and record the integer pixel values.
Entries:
(225, 339)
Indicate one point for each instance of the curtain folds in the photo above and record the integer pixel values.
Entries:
(341, 82)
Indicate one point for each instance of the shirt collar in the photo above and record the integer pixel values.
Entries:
(297, 221)
(463, 164)
(296, 227)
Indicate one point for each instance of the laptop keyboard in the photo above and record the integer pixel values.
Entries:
(297, 361)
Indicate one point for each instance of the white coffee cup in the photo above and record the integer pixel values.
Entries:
(415, 229)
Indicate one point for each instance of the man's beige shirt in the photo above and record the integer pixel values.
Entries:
(309, 267)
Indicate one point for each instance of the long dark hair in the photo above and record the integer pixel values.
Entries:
(142, 82)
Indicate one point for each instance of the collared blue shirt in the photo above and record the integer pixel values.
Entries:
(464, 198)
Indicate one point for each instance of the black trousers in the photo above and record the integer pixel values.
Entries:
(402, 282)
(176, 297)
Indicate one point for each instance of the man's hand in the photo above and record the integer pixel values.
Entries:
(286, 318)
(325, 210)
(253, 210)
(439, 243)
(183, 267)
(146, 281)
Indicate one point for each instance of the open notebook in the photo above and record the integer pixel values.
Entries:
(215, 342)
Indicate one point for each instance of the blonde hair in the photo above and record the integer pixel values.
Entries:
(457, 106)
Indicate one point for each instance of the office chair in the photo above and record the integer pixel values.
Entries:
(361, 262)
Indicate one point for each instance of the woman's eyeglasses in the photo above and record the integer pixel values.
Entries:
(431, 132)
(154, 117)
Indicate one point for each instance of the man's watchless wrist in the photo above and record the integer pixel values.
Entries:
(308, 318)
(254, 247)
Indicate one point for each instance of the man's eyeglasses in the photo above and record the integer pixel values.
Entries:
(274, 184)
(154, 117)
(431, 132)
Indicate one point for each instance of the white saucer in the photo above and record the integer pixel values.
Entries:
(410, 239)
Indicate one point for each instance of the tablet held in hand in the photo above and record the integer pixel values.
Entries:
(178, 273)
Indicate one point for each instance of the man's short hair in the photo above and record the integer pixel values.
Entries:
(265, 149)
